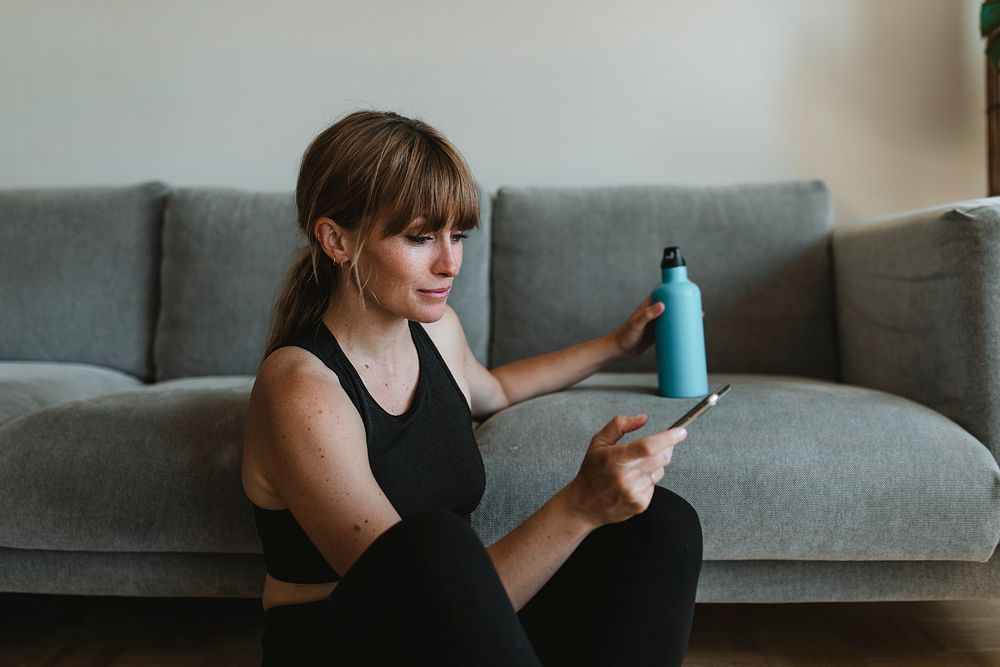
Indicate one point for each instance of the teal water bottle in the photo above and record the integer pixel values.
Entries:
(680, 331)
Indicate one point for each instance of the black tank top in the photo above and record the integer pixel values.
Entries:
(426, 458)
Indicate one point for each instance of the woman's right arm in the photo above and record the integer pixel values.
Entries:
(613, 484)
(317, 458)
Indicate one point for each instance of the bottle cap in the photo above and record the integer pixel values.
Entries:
(672, 257)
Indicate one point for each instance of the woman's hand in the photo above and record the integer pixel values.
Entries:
(637, 333)
(616, 481)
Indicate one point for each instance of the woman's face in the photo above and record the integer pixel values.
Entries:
(405, 267)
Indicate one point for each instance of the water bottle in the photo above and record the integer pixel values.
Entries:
(680, 331)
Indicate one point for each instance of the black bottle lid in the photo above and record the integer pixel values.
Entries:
(672, 257)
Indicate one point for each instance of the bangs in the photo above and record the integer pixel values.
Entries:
(432, 181)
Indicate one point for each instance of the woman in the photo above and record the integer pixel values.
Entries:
(360, 462)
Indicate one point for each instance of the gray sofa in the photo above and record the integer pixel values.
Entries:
(854, 459)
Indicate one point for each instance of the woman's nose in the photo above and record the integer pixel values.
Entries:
(448, 258)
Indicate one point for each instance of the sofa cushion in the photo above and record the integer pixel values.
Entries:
(572, 263)
(26, 386)
(224, 253)
(918, 309)
(78, 274)
(782, 468)
(772, 470)
(152, 469)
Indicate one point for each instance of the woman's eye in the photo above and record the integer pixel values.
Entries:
(419, 240)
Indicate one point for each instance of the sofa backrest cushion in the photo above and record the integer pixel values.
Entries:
(225, 253)
(571, 264)
(79, 274)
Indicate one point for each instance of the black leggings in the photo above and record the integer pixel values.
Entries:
(426, 592)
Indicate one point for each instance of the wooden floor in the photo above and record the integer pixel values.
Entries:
(58, 631)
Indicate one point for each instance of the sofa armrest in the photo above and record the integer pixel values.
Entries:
(918, 310)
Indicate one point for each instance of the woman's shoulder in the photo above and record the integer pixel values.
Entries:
(291, 365)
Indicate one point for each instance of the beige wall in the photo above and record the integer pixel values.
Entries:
(882, 99)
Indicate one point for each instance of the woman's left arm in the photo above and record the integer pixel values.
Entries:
(546, 373)
(527, 378)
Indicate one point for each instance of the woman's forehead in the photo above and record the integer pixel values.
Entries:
(421, 222)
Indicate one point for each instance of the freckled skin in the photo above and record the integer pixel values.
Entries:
(357, 527)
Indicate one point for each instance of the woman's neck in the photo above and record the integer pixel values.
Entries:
(372, 334)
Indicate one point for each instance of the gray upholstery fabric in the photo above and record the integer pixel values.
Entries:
(27, 386)
(918, 301)
(847, 581)
(153, 469)
(771, 475)
(78, 274)
(242, 575)
(572, 263)
(782, 468)
(470, 294)
(132, 574)
(225, 253)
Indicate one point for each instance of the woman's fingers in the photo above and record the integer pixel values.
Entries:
(653, 464)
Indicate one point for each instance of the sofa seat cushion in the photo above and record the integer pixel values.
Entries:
(27, 386)
(784, 467)
(151, 469)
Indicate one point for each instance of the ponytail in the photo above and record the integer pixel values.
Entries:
(308, 284)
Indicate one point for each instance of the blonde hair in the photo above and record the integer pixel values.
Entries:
(370, 170)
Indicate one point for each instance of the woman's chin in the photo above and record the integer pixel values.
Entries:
(428, 313)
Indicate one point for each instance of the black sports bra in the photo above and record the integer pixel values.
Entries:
(425, 458)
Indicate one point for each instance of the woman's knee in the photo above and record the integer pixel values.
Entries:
(437, 558)
(675, 523)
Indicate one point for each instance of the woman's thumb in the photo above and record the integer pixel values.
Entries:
(617, 427)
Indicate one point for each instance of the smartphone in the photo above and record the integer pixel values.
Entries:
(701, 408)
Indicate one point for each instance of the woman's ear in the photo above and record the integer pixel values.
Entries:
(333, 239)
